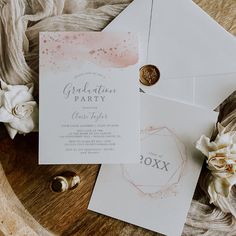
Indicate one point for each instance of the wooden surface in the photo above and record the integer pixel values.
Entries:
(24, 186)
(61, 213)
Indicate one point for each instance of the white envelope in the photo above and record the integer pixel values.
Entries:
(195, 55)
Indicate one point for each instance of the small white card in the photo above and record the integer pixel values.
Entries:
(89, 98)
(156, 193)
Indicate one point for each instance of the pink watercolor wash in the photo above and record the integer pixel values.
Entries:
(106, 49)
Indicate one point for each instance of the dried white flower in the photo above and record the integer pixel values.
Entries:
(18, 110)
(221, 160)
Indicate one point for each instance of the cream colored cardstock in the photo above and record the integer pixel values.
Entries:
(89, 98)
(156, 193)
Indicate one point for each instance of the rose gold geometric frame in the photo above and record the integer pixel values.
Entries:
(170, 187)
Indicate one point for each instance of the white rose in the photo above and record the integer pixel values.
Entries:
(18, 110)
(221, 160)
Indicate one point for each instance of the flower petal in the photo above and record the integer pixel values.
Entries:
(17, 88)
(32, 103)
(35, 118)
(5, 116)
(222, 186)
(12, 132)
(31, 87)
(205, 146)
(233, 149)
(4, 86)
(7, 102)
(1, 97)
(232, 180)
(212, 193)
(222, 174)
(224, 139)
(221, 128)
(15, 98)
(22, 125)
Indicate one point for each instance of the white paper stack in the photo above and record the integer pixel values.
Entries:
(197, 62)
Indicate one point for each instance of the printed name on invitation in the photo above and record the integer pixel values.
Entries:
(95, 116)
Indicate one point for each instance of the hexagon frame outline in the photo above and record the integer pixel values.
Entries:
(152, 131)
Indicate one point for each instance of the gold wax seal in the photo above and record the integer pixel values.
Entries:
(149, 75)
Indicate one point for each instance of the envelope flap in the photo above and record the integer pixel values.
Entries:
(184, 40)
(205, 91)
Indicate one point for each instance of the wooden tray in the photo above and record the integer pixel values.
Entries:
(59, 213)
